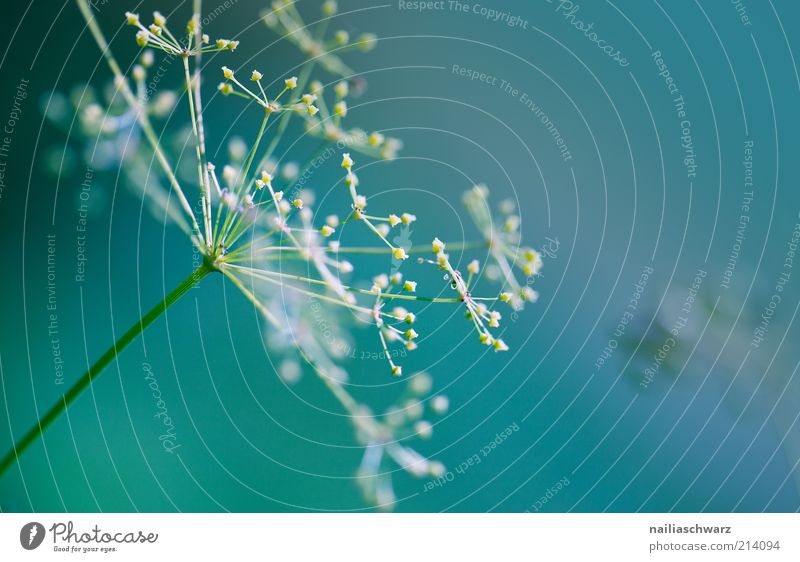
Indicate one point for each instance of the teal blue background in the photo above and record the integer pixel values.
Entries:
(700, 437)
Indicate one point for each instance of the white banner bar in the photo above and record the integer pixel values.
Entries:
(398, 537)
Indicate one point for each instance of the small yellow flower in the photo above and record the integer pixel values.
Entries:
(347, 162)
(375, 139)
(326, 231)
(329, 7)
(291, 83)
(312, 109)
(410, 286)
(256, 76)
(399, 254)
(499, 345)
(340, 109)
(394, 220)
(408, 218)
(227, 72)
(341, 37)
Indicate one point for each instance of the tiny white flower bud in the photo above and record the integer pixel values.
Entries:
(410, 286)
(511, 224)
(383, 229)
(225, 88)
(312, 109)
(396, 277)
(345, 267)
(298, 203)
(290, 170)
(394, 220)
(227, 72)
(375, 139)
(410, 318)
(329, 7)
(341, 89)
(138, 73)
(142, 37)
(147, 58)
(408, 218)
(474, 266)
(529, 294)
(347, 162)
(411, 334)
(499, 345)
(423, 429)
(440, 404)
(291, 83)
(341, 37)
(421, 384)
(326, 231)
(159, 19)
(366, 41)
(308, 99)
(437, 245)
(506, 297)
(131, 18)
(256, 76)
(340, 109)
(222, 43)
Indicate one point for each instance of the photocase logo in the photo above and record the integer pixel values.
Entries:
(31, 535)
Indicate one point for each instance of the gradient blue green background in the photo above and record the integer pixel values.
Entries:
(703, 436)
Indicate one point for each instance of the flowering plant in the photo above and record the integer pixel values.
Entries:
(253, 226)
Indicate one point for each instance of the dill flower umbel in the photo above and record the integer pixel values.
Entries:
(250, 221)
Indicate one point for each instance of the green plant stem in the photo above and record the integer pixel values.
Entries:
(97, 368)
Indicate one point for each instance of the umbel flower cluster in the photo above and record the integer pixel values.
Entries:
(255, 227)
